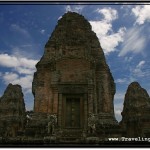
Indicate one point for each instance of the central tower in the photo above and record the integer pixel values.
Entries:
(72, 78)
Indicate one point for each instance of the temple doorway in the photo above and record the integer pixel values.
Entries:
(73, 112)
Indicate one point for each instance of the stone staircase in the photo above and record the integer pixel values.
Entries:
(71, 136)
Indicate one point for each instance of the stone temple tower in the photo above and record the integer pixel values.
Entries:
(73, 79)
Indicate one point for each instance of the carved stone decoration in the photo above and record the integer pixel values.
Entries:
(92, 123)
(28, 119)
(52, 123)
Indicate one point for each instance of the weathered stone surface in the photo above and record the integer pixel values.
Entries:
(136, 111)
(36, 125)
(74, 67)
(73, 55)
(12, 111)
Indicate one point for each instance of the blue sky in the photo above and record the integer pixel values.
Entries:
(123, 31)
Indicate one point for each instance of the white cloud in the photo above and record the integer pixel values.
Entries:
(9, 77)
(134, 41)
(42, 31)
(21, 73)
(127, 9)
(101, 28)
(24, 51)
(110, 42)
(138, 72)
(74, 8)
(140, 64)
(8, 61)
(118, 109)
(68, 8)
(25, 81)
(108, 39)
(78, 8)
(118, 104)
(122, 81)
(15, 62)
(128, 59)
(29, 63)
(108, 13)
(142, 13)
(119, 96)
(21, 70)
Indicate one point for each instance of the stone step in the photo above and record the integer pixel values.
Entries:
(72, 133)
(71, 136)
